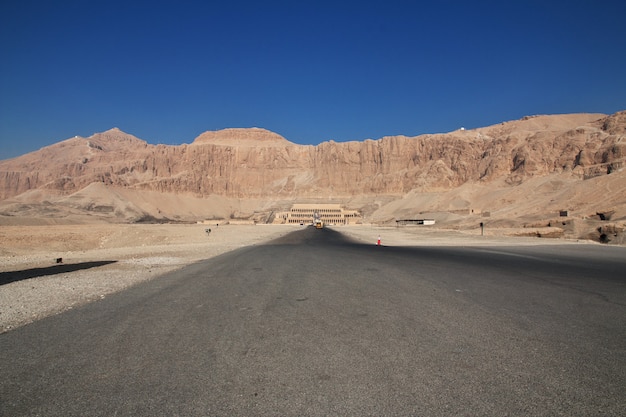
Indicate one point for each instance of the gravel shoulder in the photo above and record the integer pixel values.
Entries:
(98, 260)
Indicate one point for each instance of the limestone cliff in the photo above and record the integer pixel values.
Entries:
(256, 163)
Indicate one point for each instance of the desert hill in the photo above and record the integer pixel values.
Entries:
(251, 137)
(517, 173)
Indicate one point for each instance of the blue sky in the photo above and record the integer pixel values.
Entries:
(312, 71)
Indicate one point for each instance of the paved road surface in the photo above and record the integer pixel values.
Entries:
(313, 324)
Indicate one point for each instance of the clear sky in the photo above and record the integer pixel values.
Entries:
(312, 71)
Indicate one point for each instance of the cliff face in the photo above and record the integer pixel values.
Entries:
(256, 163)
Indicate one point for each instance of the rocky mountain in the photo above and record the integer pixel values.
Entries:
(256, 166)
(256, 163)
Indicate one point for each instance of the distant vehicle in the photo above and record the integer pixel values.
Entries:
(317, 221)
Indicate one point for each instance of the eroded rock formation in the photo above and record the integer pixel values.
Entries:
(256, 163)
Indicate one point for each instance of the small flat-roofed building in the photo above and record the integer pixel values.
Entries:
(405, 222)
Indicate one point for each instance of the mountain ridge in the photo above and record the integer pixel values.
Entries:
(252, 162)
(260, 167)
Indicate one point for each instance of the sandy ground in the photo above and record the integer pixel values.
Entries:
(98, 260)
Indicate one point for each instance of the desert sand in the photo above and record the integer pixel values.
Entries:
(100, 259)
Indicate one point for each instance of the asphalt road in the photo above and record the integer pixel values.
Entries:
(314, 324)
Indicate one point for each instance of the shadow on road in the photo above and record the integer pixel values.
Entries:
(12, 276)
(312, 236)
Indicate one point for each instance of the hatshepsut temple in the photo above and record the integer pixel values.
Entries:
(328, 213)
